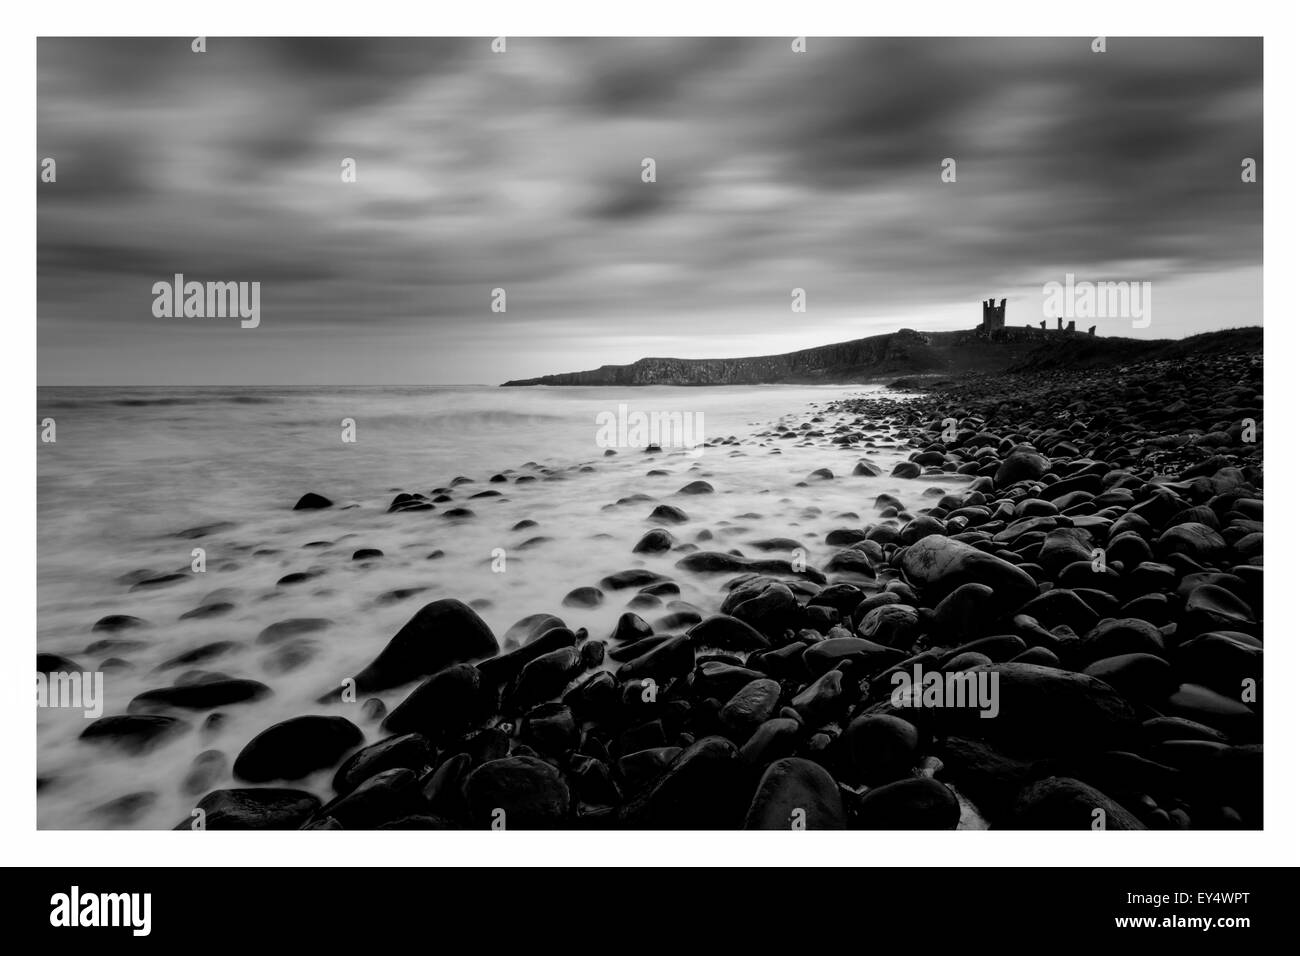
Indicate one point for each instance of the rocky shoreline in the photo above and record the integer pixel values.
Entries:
(1091, 559)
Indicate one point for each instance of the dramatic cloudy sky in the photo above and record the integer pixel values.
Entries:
(522, 170)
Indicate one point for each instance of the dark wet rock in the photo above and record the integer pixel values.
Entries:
(667, 514)
(631, 578)
(1213, 608)
(674, 657)
(366, 554)
(702, 790)
(1138, 676)
(262, 808)
(906, 469)
(655, 541)
(1116, 636)
(134, 733)
(1021, 466)
(750, 706)
(919, 803)
(200, 655)
(116, 623)
(294, 748)
(546, 676)
(891, 625)
(293, 627)
(863, 655)
(56, 664)
(727, 633)
(217, 609)
(447, 702)
(199, 696)
(630, 627)
(585, 597)
(161, 581)
(550, 728)
(290, 655)
(795, 793)
(311, 501)
(767, 606)
(440, 634)
(528, 629)
(387, 795)
(940, 565)
(822, 699)
(882, 748)
(696, 488)
(516, 793)
(1063, 803)
(1042, 710)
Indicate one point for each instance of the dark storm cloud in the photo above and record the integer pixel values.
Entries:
(522, 171)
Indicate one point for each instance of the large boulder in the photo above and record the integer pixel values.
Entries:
(940, 565)
(440, 634)
(294, 748)
(795, 793)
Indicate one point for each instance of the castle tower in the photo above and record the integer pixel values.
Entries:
(995, 316)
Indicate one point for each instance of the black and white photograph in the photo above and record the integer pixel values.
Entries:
(612, 435)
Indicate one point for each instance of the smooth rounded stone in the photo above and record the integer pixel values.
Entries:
(1192, 538)
(821, 700)
(655, 541)
(311, 501)
(861, 653)
(696, 488)
(447, 702)
(629, 652)
(796, 794)
(776, 544)
(1159, 730)
(1138, 676)
(207, 768)
(767, 606)
(773, 739)
(850, 561)
(294, 748)
(674, 657)
(1064, 803)
(584, 597)
(1207, 706)
(727, 633)
(161, 581)
(443, 787)
(1213, 608)
(750, 706)
(125, 810)
(866, 469)
(1115, 636)
(997, 647)
(528, 629)
(1021, 466)
(365, 554)
(1043, 711)
(968, 610)
(703, 789)
(842, 598)
(56, 664)
(550, 728)
(118, 645)
(218, 609)
(134, 734)
(593, 654)
(643, 767)
(721, 680)
(199, 696)
(965, 661)
(906, 469)
(1061, 607)
(940, 565)
(387, 795)
(373, 709)
(882, 748)
(260, 808)
(920, 527)
(667, 514)
(293, 627)
(891, 625)
(200, 655)
(840, 537)
(919, 803)
(1063, 547)
(631, 578)
(516, 793)
(440, 634)
(1222, 661)
(290, 656)
(116, 623)
(630, 627)
(546, 676)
